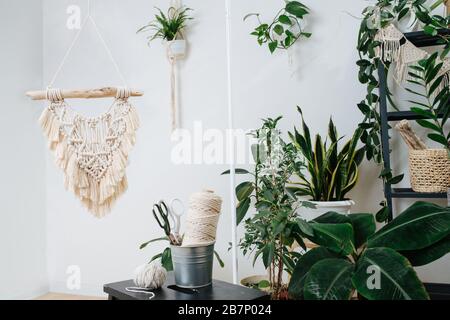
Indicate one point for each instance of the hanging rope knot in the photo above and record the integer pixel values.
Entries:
(123, 93)
(54, 95)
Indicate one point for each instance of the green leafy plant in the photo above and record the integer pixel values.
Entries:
(272, 230)
(332, 172)
(285, 29)
(376, 17)
(166, 255)
(351, 256)
(167, 26)
(433, 103)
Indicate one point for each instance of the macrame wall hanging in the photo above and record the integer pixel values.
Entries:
(92, 152)
(395, 48)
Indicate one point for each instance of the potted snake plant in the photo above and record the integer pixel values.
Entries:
(330, 172)
(169, 27)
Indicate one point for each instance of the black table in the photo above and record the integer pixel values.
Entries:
(219, 290)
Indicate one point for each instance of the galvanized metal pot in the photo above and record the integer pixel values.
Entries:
(193, 265)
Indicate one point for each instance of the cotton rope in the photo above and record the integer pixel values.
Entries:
(202, 218)
(92, 152)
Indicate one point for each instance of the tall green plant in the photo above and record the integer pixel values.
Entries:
(168, 26)
(285, 29)
(332, 172)
(432, 105)
(377, 265)
(271, 231)
(376, 17)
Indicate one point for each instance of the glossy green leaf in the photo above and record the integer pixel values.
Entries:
(278, 29)
(429, 254)
(332, 217)
(285, 19)
(236, 171)
(268, 254)
(384, 274)
(329, 279)
(363, 226)
(273, 46)
(244, 190)
(336, 237)
(166, 259)
(305, 227)
(418, 227)
(304, 264)
(242, 209)
(297, 9)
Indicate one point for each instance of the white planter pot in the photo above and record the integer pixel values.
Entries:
(176, 49)
(322, 207)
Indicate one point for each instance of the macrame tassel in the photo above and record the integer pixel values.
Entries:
(93, 153)
(389, 48)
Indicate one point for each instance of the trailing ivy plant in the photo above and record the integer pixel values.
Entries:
(374, 18)
(432, 103)
(352, 258)
(272, 230)
(285, 29)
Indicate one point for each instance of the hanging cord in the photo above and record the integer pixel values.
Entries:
(88, 18)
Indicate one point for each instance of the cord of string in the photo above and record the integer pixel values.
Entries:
(86, 20)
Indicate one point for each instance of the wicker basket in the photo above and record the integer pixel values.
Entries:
(429, 170)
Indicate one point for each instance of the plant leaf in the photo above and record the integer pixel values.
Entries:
(142, 246)
(397, 278)
(166, 259)
(363, 226)
(429, 254)
(329, 279)
(304, 264)
(244, 190)
(418, 227)
(236, 171)
(241, 210)
(335, 237)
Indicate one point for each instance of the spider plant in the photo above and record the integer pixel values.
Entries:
(333, 173)
(167, 26)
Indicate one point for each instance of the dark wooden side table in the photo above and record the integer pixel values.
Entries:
(219, 290)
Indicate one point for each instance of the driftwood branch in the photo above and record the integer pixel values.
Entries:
(105, 92)
(409, 136)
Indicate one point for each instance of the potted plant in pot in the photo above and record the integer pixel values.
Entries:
(169, 27)
(272, 230)
(333, 172)
(354, 260)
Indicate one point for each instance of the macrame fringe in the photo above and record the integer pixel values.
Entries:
(97, 196)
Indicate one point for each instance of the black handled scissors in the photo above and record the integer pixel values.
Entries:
(161, 213)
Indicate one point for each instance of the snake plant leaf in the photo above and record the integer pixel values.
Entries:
(332, 217)
(335, 237)
(363, 226)
(241, 210)
(244, 190)
(304, 264)
(166, 259)
(429, 254)
(384, 274)
(418, 227)
(329, 279)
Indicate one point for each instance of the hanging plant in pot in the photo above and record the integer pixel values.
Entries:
(271, 231)
(285, 29)
(332, 172)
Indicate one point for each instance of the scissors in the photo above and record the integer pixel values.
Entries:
(169, 218)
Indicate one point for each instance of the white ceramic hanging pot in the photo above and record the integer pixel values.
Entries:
(343, 207)
(176, 49)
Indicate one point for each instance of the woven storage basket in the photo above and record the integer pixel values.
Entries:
(429, 170)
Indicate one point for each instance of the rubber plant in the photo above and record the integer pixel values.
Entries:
(352, 258)
(332, 172)
(285, 29)
(167, 26)
(272, 230)
(376, 17)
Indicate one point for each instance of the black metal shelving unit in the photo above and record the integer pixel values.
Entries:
(419, 39)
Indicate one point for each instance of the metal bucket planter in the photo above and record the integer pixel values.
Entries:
(193, 265)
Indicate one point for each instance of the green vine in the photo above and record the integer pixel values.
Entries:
(375, 18)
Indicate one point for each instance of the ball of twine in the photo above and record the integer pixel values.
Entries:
(150, 276)
(202, 218)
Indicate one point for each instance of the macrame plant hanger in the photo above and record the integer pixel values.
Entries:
(174, 54)
(92, 152)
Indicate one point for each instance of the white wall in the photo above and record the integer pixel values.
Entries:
(324, 84)
(22, 190)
